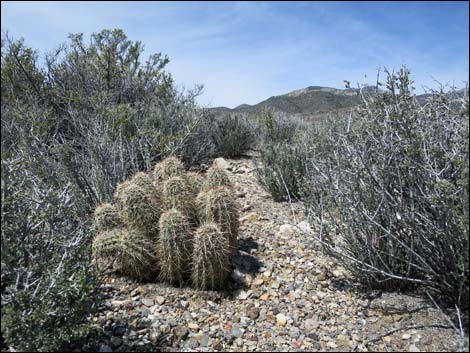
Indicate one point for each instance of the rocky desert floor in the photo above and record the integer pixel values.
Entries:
(284, 295)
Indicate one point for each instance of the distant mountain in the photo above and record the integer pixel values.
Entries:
(312, 102)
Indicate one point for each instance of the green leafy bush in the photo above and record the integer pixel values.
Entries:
(49, 284)
(387, 190)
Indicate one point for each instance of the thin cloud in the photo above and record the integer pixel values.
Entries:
(244, 52)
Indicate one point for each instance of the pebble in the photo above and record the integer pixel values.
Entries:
(284, 294)
(147, 302)
(281, 319)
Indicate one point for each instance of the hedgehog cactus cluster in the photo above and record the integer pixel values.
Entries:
(170, 225)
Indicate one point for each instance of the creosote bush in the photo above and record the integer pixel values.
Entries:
(158, 239)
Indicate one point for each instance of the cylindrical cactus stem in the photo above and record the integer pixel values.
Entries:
(139, 210)
(128, 251)
(211, 257)
(138, 256)
(195, 182)
(106, 217)
(215, 177)
(169, 167)
(177, 194)
(174, 247)
(145, 181)
(106, 244)
(218, 205)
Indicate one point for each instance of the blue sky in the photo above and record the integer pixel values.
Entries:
(245, 52)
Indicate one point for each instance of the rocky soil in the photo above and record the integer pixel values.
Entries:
(284, 295)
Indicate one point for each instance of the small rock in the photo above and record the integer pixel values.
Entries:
(119, 330)
(236, 331)
(105, 348)
(217, 345)
(406, 336)
(265, 296)
(311, 324)
(250, 217)
(159, 299)
(305, 226)
(253, 313)
(413, 348)
(331, 344)
(242, 295)
(281, 319)
(193, 326)
(147, 302)
(180, 331)
(222, 163)
(257, 281)
(115, 341)
(286, 229)
(204, 340)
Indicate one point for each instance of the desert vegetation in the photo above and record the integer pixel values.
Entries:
(105, 171)
(386, 188)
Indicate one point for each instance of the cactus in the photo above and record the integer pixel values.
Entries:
(194, 181)
(174, 246)
(130, 251)
(177, 194)
(215, 177)
(210, 260)
(145, 182)
(218, 205)
(118, 194)
(144, 242)
(168, 168)
(106, 244)
(139, 210)
(106, 217)
(138, 257)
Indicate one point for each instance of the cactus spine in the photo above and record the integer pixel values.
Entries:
(170, 226)
(218, 205)
(106, 217)
(211, 259)
(174, 246)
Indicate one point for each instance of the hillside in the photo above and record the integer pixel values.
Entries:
(310, 102)
(314, 102)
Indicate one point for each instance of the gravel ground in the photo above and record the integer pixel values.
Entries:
(284, 295)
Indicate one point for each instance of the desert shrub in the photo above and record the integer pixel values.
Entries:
(96, 113)
(233, 135)
(49, 284)
(387, 190)
(281, 170)
(272, 128)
